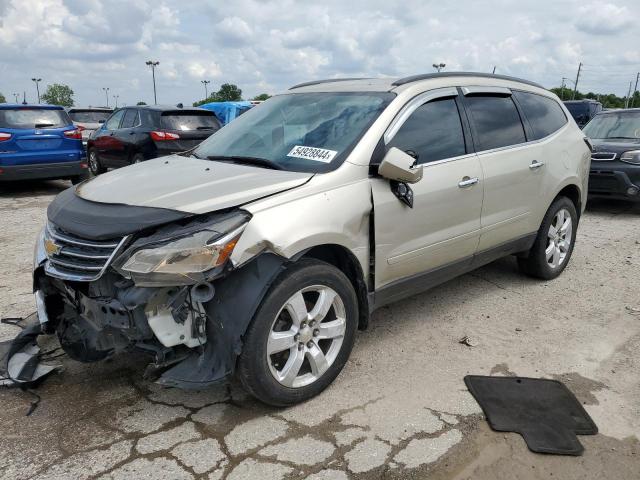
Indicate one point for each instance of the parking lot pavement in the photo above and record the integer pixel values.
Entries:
(399, 409)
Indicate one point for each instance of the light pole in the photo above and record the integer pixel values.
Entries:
(106, 94)
(16, 96)
(564, 79)
(116, 97)
(37, 81)
(153, 66)
(439, 66)
(205, 83)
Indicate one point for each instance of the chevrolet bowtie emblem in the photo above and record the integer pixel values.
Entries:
(51, 247)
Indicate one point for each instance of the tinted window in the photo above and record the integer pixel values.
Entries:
(89, 116)
(114, 121)
(130, 118)
(433, 132)
(33, 118)
(496, 121)
(189, 121)
(544, 114)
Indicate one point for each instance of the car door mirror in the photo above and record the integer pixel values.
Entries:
(400, 166)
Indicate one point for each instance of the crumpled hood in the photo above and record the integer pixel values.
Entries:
(188, 184)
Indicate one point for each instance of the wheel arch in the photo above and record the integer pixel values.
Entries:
(344, 260)
(572, 192)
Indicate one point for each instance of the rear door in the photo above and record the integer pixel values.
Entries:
(511, 179)
(186, 129)
(32, 135)
(443, 226)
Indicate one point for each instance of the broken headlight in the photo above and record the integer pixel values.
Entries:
(189, 255)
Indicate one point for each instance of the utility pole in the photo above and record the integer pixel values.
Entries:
(635, 89)
(205, 83)
(626, 103)
(562, 89)
(116, 97)
(575, 85)
(494, 70)
(438, 66)
(16, 96)
(37, 81)
(106, 94)
(153, 66)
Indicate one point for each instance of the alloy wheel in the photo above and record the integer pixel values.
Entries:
(93, 162)
(306, 336)
(559, 238)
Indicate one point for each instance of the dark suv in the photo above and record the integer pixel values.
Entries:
(135, 134)
(583, 110)
(615, 162)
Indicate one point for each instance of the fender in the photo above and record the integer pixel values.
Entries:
(229, 314)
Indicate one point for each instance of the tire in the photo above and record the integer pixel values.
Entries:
(95, 165)
(263, 375)
(137, 158)
(538, 263)
(78, 179)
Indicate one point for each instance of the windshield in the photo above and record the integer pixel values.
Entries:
(89, 116)
(33, 118)
(614, 125)
(189, 121)
(576, 109)
(306, 132)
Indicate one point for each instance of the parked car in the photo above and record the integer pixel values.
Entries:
(134, 134)
(88, 119)
(39, 142)
(583, 110)
(264, 249)
(615, 162)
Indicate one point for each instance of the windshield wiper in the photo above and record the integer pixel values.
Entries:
(43, 125)
(204, 128)
(622, 138)
(260, 162)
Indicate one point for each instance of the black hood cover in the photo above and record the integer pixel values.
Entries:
(105, 221)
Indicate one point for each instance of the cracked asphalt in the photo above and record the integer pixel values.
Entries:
(399, 409)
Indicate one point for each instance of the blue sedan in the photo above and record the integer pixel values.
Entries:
(40, 142)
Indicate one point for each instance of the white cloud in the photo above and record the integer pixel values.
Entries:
(600, 18)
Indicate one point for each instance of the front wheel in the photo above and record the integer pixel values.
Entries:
(95, 166)
(553, 246)
(301, 335)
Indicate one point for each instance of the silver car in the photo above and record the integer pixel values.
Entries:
(261, 252)
(88, 119)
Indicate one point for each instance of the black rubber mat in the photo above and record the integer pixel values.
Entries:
(544, 412)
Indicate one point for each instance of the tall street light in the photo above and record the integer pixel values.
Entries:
(37, 81)
(16, 96)
(106, 94)
(116, 97)
(205, 83)
(153, 66)
(439, 66)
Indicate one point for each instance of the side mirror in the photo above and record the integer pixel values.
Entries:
(400, 166)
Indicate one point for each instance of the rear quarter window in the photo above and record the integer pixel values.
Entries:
(189, 121)
(33, 118)
(495, 120)
(544, 114)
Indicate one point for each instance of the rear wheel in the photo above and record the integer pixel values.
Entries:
(78, 178)
(301, 336)
(554, 243)
(137, 158)
(95, 166)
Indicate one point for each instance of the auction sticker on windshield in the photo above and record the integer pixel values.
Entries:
(312, 153)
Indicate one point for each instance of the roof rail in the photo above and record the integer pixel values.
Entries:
(329, 80)
(428, 76)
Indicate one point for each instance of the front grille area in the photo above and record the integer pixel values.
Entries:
(78, 259)
(603, 156)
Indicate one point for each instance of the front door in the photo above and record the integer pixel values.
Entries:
(440, 233)
(106, 142)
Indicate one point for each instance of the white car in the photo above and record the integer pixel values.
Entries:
(88, 119)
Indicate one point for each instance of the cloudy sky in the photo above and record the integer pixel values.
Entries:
(266, 46)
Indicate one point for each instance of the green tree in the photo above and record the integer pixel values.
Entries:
(141, 103)
(58, 94)
(262, 97)
(228, 93)
(2, 99)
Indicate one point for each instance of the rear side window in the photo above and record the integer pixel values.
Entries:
(130, 119)
(189, 121)
(33, 118)
(543, 113)
(496, 121)
(433, 132)
(89, 116)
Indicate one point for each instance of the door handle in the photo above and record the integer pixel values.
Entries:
(467, 182)
(535, 165)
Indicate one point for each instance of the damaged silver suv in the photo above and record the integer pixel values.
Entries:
(262, 251)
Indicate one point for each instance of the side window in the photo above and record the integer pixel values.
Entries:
(543, 113)
(114, 121)
(433, 132)
(130, 118)
(496, 121)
